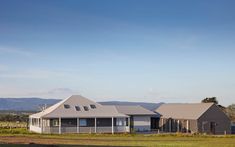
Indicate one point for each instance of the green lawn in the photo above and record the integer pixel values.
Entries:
(21, 136)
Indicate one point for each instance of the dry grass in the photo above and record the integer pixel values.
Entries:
(5, 124)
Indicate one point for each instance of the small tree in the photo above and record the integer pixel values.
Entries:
(210, 100)
(231, 112)
(215, 101)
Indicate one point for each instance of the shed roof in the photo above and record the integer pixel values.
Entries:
(58, 109)
(183, 111)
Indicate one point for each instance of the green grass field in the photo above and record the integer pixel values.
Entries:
(22, 136)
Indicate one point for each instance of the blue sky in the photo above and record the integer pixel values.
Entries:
(153, 51)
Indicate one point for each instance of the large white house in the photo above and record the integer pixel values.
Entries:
(77, 114)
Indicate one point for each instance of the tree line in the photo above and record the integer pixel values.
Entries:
(14, 117)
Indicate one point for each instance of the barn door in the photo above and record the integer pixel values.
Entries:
(212, 127)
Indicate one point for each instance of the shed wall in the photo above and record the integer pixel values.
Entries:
(214, 116)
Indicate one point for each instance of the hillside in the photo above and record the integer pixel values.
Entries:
(25, 104)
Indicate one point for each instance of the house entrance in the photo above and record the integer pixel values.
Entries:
(154, 123)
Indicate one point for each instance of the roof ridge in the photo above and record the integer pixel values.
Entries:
(206, 109)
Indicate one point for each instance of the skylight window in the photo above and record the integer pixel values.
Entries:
(85, 108)
(92, 106)
(77, 108)
(66, 106)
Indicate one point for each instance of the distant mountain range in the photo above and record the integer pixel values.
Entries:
(25, 104)
(34, 104)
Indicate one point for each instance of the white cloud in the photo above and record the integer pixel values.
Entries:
(16, 92)
(55, 93)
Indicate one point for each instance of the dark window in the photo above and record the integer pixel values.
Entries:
(85, 108)
(92, 106)
(54, 122)
(66, 106)
(77, 108)
(104, 122)
(87, 122)
(69, 122)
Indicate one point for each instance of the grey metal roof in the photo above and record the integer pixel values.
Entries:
(134, 110)
(58, 109)
(183, 111)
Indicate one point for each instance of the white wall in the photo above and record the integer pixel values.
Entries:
(35, 129)
(142, 123)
